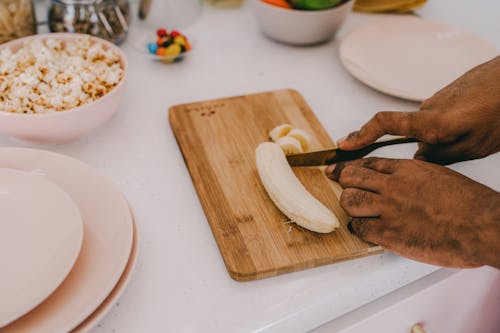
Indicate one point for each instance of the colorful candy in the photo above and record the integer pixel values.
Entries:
(169, 45)
(180, 40)
(161, 51)
(152, 47)
(161, 32)
(173, 50)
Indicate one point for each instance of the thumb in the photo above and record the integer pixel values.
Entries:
(412, 124)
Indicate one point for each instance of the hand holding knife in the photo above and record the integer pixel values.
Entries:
(329, 156)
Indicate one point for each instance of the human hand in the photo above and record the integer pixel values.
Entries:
(421, 210)
(459, 122)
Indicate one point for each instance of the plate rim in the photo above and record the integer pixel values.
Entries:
(107, 305)
(75, 248)
(367, 79)
(97, 176)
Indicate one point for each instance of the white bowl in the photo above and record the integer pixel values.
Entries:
(299, 27)
(68, 125)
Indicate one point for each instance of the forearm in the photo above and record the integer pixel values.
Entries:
(489, 235)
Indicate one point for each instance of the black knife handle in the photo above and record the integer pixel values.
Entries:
(347, 155)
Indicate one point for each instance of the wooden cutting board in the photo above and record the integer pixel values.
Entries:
(218, 140)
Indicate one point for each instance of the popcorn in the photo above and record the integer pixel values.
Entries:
(53, 75)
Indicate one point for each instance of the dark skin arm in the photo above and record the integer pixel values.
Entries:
(421, 210)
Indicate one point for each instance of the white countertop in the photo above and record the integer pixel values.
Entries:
(180, 283)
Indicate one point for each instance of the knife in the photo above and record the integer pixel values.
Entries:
(329, 156)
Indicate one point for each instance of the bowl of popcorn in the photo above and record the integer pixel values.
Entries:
(56, 87)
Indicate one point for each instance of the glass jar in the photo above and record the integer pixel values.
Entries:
(108, 19)
(170, 14)
(17, 19)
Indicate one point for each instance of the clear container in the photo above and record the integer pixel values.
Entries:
(177, 14)
(108, 19)
(17, 19)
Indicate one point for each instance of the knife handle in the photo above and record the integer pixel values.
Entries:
(355, 154)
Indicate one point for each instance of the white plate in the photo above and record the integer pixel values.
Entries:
(107, 241)
(115, 294)
(410, 57)
(41, 234)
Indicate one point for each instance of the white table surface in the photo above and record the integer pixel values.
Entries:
(180, 283)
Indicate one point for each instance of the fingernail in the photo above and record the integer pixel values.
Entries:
(329, 170)
(352, 135)
(347, 138)
(351, 229)
(333, 171)
(341, 140)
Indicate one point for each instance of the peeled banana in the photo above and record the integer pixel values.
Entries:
(280, 131)
(288, 193)
(292, 140)
(290, 145)
(302, 136)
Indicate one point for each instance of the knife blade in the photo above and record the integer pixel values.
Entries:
(335, 155)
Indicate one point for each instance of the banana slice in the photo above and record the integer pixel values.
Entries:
(290, 145)
(302, 136)
(280, 131)
(288, 193)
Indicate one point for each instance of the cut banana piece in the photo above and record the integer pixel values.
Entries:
(302, 136)
(280, 131)
(290, 145)
(288, 193)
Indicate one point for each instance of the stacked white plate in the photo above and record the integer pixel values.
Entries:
(67, 243)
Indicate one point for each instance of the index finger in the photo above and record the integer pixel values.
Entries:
(410, 124)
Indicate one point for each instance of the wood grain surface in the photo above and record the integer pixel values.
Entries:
(218, 140)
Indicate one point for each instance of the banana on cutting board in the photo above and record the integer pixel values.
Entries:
(288, 193)
(302, 136)
(283, 187)
(290, 145)
(292, 140)
(280, 131)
